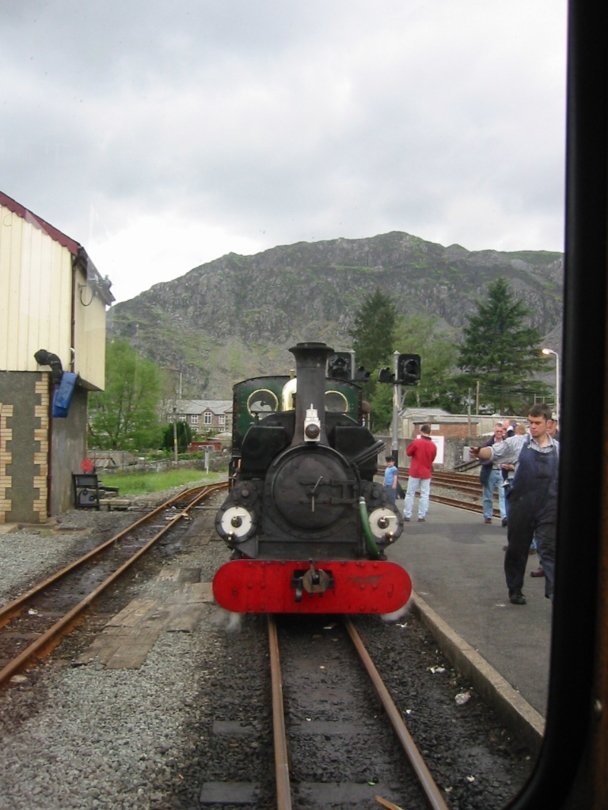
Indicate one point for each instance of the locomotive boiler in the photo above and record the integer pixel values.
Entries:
(306, 522)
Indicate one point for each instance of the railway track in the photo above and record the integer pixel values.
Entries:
(33, 624)
(469, 488)
(229, 718)
(462, 482)
(459, 482)
(318, 707)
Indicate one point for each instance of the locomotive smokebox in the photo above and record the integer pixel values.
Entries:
(311, 360)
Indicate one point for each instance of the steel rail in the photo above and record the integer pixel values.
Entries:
(458, 504)
(281, 756)
(11, 608)
(467, 484)
(50, 637)
(428, 784)
(459, 482)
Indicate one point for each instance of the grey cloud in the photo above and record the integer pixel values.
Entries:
(286, 121)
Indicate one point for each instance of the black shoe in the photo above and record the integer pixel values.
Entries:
(504, 522)
(517, 598)
(421, 520)
(487, 520)
(407, 520)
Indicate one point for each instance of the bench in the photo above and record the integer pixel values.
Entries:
(88, 490)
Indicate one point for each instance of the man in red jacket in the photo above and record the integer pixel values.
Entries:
(422, 451)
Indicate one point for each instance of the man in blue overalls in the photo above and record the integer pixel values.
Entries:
(532, 501)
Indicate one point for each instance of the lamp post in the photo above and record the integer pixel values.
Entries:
(556, 355)
(175, 435)
(396, 403)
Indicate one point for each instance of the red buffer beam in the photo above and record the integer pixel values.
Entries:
(288, 586)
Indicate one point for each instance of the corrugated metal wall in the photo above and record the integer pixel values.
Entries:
(89, 333)
(38, 300)
(35, 294)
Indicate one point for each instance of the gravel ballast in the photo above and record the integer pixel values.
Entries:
(87, 736)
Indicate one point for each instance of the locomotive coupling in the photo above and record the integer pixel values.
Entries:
(313, 580)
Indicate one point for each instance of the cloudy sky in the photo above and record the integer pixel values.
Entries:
(163, 135)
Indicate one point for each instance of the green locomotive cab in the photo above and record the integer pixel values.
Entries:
(268, 404)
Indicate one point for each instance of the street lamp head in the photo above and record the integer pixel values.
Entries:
(556, 355)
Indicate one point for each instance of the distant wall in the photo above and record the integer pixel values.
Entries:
(452, 452)
(459, 432)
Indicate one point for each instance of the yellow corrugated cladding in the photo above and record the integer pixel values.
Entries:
(36, 299)
(35, 286)
(89, 333)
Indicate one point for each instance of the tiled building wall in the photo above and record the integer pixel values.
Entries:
(24, 456)
(6, 457)
(41, 451)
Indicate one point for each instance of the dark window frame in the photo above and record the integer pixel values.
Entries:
(564, 771)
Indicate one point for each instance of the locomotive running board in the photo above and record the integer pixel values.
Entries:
(268, 586)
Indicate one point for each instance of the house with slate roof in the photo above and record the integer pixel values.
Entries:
(205, 416)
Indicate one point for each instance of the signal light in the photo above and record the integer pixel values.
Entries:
(408, 369)
(361, 375)
(340, 365)
(385, 375)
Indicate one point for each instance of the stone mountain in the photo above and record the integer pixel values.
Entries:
(236, 316)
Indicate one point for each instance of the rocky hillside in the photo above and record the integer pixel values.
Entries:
(236, 316)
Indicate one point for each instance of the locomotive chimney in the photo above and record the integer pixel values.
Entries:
(311, 360)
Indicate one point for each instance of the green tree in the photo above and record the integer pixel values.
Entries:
(183, 433)
(423, 335)
(501, 352)
(373, 331)
(125, 415)
(381, 404)
(417, 334)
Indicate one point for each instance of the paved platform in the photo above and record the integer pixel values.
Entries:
(456, 565)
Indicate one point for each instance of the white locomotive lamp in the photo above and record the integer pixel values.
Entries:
(312, 425)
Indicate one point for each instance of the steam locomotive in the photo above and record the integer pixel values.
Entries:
(306, 522)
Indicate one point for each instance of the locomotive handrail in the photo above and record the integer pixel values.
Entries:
(369, 537)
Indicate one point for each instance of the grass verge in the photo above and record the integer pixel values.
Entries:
(143, 483)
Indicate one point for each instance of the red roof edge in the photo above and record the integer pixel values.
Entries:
(39, 223)
(76, 249)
